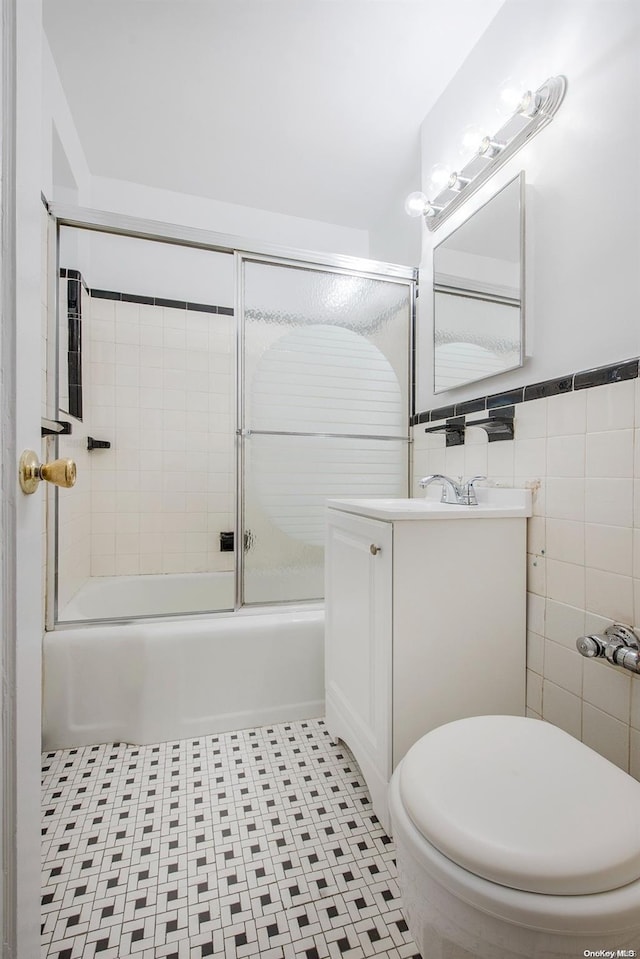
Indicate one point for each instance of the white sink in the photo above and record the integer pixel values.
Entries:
(493, 502)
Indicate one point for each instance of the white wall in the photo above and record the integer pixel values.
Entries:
(125, 264)
(261, 226)
(58, 122)
(579, 451)
(166, 206)
(583, 233)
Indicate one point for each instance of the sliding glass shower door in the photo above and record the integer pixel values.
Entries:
(323, 413)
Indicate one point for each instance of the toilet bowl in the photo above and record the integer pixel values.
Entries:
(515, 841)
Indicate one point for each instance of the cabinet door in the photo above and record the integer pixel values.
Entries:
(358, 590)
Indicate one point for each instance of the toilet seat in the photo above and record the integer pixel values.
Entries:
(422, 868)
(521, 804)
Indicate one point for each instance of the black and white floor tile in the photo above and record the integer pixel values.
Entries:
(258, 843)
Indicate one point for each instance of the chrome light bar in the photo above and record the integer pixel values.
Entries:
(534, 112)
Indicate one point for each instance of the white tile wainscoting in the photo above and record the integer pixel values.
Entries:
(580, 452)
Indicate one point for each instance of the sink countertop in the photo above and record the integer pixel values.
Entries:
(493, 503)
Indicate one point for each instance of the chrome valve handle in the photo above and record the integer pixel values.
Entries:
(619, 645)
(589, 646)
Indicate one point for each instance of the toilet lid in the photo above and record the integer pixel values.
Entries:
(523, 804)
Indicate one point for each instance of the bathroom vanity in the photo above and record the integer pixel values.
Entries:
(425, 621)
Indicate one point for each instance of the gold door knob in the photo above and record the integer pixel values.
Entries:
(59, 472)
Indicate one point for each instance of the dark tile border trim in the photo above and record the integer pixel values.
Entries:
(606, 374)
(74, 275)
(599, 376)
(161, 301)
(147, 300)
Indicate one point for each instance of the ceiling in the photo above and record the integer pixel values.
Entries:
(310, 108)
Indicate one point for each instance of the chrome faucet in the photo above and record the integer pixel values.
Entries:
(458, 493)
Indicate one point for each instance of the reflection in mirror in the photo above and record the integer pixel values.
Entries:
(478, 293)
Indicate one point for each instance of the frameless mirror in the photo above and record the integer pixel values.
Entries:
(478, 286)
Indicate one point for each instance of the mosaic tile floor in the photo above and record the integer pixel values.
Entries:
(255, 843)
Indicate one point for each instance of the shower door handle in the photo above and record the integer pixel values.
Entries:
(58, 472)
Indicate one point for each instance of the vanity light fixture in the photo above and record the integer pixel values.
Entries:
(533, 112)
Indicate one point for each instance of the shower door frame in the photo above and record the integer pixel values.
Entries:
(243, 257)
(244, 249)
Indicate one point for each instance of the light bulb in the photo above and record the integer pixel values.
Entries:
(439, 177)
(510, 95)
(510, 98)
(416, 204)
(529, 104)
(471, 139)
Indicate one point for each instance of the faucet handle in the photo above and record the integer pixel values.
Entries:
(469, 495)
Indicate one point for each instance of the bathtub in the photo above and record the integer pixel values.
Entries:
(147, 682)
(123, 597)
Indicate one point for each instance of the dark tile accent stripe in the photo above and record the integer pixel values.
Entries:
(136, 298)
(106, 294)
(505, 399)
(471, 406)
(606, 374)
(73, 275)
(496, 403)
(443, 412)
(160, 301)
(503, 411)
(146, 300)
(204, 308)
(172, 304)
(537, 391)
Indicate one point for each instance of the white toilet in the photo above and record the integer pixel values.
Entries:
(515, 841)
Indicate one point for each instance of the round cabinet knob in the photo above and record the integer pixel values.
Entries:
(58, 472)
(374, 550)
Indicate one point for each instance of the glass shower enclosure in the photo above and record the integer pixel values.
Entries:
(214, 400)
(323, 412)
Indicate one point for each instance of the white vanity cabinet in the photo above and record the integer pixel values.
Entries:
(425, 622)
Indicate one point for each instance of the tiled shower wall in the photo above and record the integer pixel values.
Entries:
(580, 452)
(160, 388)
(74, 505)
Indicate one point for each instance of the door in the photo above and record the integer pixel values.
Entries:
(324, 411)
(21, 516)
(146, 384)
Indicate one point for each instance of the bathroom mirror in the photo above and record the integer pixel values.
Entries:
(478, 293)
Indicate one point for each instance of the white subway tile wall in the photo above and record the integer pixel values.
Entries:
(160, 383)
(580, 452)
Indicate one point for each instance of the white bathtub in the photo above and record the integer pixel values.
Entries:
(123, 597)
(120, 597)
(177, 679)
